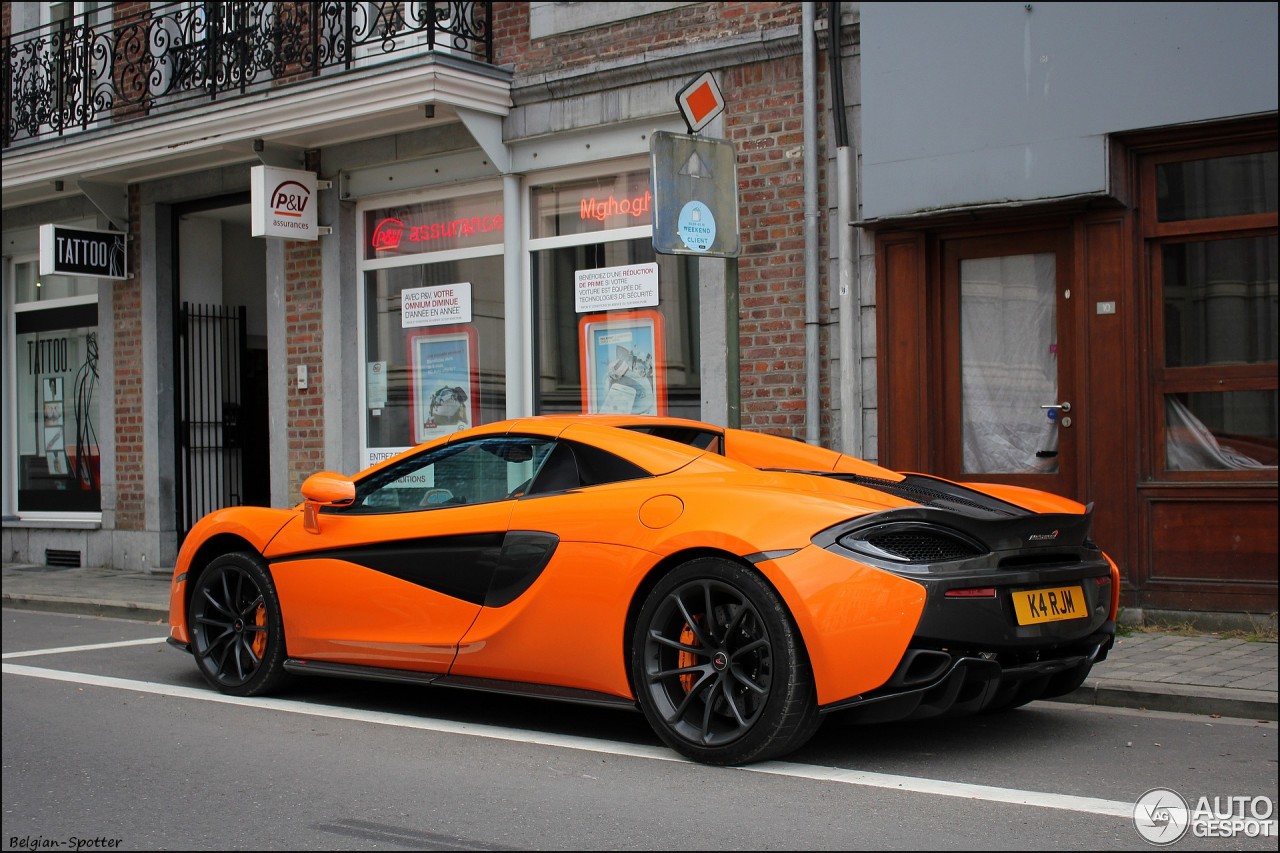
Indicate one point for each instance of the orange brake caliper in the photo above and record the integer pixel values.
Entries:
(260, 638)
(686, 659)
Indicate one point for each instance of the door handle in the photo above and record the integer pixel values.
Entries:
(1056, 409)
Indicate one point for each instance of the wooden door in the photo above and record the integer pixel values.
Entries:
(1012, 409)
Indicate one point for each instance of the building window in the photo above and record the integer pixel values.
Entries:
(434, 319)
(616, 325)
(1210, 227)
(55, 392)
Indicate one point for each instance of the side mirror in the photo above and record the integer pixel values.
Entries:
(324, 489)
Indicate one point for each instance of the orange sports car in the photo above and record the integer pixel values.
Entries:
(738, 588)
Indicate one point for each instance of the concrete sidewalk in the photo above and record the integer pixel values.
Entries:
(1209, 674)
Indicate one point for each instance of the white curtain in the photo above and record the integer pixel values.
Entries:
(1009, 363)
(1191, 446)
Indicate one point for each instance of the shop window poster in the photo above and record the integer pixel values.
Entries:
(54, 443)
(444, 385)
(623, 363)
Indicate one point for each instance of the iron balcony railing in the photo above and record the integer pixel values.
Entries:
(83, 72)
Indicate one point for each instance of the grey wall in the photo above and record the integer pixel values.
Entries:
(973, 103)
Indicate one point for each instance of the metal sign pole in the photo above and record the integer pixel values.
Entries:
(695, 192)
(732, 365)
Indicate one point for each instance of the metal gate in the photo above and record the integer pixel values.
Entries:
(212, 356)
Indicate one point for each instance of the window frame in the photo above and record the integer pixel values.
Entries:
(1155, 235)
(9, 378)
(372, 455)
(535, 245)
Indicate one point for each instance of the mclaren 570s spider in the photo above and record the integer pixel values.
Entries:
(738, 588)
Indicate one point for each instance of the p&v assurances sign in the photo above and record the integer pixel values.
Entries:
(283, 203)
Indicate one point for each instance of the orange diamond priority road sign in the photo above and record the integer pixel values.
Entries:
(700, 101)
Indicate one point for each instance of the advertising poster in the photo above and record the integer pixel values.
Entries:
(54, 441)
(623, 363)
(615, 288)
(436, 305)
(444, 381)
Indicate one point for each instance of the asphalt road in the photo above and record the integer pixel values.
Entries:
(110, 737)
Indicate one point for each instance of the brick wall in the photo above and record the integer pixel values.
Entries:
(627, 38)
(764, 120)
(132, 69)
(304, 334)
(510, 30)
(127, 320)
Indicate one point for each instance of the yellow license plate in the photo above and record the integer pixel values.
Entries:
(1034, 606)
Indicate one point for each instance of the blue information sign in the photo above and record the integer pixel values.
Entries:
(697, 226)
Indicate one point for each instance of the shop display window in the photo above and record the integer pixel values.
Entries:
(56, 394)
(434, 316)
(616, 324)
(425, 380)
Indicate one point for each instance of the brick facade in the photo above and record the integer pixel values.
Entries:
(765, 123)
(304, 332)
(127, 320)
(602, 46)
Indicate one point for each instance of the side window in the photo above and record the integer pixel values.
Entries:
(689, 436)
(473, 472)
(572, 466)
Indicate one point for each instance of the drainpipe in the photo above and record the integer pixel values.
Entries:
(850, 295)
(813, 433)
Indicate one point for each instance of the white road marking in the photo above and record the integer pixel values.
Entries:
(64, 649)
(965, 790)
(911, 784)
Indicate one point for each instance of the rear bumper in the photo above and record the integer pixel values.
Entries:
(933, 682)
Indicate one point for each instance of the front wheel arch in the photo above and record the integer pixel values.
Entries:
(217, 546)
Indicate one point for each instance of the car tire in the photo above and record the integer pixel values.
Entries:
(237, 632)
(719, 667)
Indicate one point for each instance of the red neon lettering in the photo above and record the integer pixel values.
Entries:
(387, 234)
(593, 208)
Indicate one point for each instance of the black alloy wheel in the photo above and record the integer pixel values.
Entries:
(719, 667)
(237, 634)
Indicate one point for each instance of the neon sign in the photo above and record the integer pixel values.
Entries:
(601, 209)
(389, 232)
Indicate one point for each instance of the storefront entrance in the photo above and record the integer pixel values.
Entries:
(220, 361)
